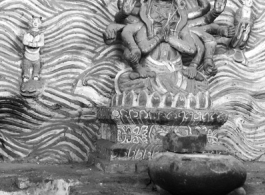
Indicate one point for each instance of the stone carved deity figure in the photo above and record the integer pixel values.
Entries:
(33, 40)
(162, 32)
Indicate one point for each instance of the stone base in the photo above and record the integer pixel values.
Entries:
(197, 174)
(32, 88)
(110, 151)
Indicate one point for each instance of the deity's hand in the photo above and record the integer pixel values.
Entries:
(165, 33)
(230, 31)
(192, 71)
(227, 31)
(135, 55)
(128, 6)
(219, 5)
(110, 34)
(209, 67)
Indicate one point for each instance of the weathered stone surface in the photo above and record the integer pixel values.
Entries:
(110, 151)
(197, 174)
(113, 167)
(184, 144)
(23, 182)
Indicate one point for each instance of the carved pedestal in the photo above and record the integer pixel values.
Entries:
(142, 121)
(149, 125)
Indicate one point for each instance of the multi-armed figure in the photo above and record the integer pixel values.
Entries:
(192, 34)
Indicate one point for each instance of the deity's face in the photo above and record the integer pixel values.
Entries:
(248, 3)
(36, 22)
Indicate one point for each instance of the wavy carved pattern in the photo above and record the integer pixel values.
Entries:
(60, 124)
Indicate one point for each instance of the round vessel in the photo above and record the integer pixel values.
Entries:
(196, 174)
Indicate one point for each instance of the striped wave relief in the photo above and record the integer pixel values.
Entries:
(60, 124)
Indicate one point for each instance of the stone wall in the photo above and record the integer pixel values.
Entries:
(78, 73)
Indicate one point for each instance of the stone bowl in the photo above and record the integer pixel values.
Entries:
(196, 174)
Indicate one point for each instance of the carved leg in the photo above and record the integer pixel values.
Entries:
(200, 50)
(198, 57)
(210, 45)
(36, 70)
(138, 70)
(128, 34)
(26, 64)
(192, 72)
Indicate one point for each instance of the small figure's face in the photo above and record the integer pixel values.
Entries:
(219, 5)
(36, 22)
(248, 3)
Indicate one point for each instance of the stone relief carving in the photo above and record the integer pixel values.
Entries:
(75, 55)
(33, 40)
(156, 34)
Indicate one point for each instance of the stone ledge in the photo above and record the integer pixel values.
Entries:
(161, 116)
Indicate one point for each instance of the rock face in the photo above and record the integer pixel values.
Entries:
(196, 174)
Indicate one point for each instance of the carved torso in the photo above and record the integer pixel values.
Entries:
(159, 13)
(32, 53)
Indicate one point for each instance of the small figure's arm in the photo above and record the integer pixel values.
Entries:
(26, 39)
(40, 43)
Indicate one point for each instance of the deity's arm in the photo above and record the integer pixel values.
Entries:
(128, 34)
(119, 17)
(126, 9)
(209, 18)
(147, 45)
(215, 29)
(204, 7)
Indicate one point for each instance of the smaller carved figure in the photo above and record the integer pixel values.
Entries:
(33, 40)
(244, 20)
